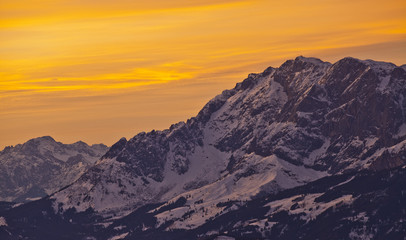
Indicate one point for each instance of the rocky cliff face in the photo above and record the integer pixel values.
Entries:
(42, 166)
(275, 130)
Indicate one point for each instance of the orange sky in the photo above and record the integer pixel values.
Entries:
(100, 70)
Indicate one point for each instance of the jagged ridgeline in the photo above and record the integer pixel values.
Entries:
(42, 166)
(264, 159)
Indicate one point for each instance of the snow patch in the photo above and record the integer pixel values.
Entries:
(370, 141)
(259, 223)
(3, 222)
(306, 205)
(384, 83)
(224, 238)
(313, 156)
(121, 236)
(402, 131)
(33, 199)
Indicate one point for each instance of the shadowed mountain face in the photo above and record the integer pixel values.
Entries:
(42, 166)
(277, 130)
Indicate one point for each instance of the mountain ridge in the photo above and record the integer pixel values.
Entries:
(270, 141)
(291, 115)
(42, 166)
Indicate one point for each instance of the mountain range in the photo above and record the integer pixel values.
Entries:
(42, 166)
(308, 150)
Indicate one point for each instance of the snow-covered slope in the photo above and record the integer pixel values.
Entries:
(276, 130)
(42, 166)
(360, 205)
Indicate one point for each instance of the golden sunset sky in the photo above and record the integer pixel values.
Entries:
(100, 70)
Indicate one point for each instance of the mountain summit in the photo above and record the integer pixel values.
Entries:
(42, 166)
(252, 158)
(275, 130)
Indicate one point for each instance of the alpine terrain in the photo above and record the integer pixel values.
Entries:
(309, 150)
(42, 166)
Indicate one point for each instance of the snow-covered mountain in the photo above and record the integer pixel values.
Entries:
(42, 166)
(276, 130)
(264, 158)
(361, 205)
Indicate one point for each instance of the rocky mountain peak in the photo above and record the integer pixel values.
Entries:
(41, 166)
(295, 123)
(44, 139)
(80, 144)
